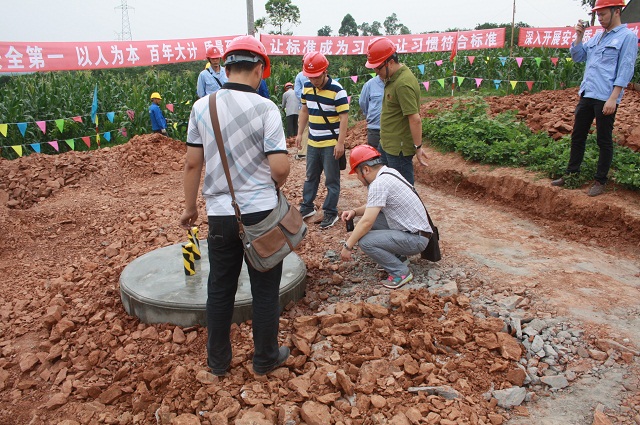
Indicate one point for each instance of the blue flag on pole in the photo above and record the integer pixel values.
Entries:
(94, 104)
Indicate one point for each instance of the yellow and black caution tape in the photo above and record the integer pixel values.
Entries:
(188, 258)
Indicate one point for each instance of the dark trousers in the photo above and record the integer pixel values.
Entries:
(586, 111)
(225, 263)
(292, 125)
(373, 138)
(404, 164)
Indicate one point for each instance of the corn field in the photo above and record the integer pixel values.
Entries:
(123, 94)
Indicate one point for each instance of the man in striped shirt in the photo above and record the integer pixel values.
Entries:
(326, 108)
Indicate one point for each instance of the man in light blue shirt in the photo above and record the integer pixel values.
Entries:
(610, 60)
(297, 88)
(213, 77)
(371, 106)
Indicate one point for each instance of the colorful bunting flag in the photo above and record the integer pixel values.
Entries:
(77, 119)
(373, 74)
(503, 60)
(460, 80)
(3, 129)
(54, 144)
(349, 100)
(354, 78)
(478, 82)
(94, 104)
(169, 106)
(42, 125)
(71, 143)
(107, 136)
(131, 114)
(439, 63)
(111, 115)
(530, 84)
(538, 61)
(22, 126)
(426, 85)
(519, 61)
(123, 131)
(18, 149)
(60, 124)
(441, 81)
(35, 147)
(175, 125)
(554, 61)
(87, 141)
(497, 83)
(471, 59)
(454, 49)
(421, 68)
(513, 84)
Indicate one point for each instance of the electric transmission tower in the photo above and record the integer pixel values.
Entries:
(126, 27)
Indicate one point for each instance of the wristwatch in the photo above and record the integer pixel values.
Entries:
(417, 146)
(347, 247)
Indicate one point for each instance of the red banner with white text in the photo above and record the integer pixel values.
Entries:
(560, 38)
(70, 56)
(291, 45)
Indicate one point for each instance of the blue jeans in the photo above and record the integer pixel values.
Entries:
(225, 263)
(382, 245)
(586, 111)
(404, 164)
(319, 160)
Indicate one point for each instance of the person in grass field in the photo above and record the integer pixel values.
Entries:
(213, 77)
(610, 58)
(290, 105)
(158, 122)
(393, 223)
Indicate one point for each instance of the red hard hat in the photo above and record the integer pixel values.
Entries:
(250, 44)
(213, 52)
(314, 64)
(360, 154)
(289, 84)
(379, 50)
(603, 4)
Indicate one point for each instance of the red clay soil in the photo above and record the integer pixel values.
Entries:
(70, 354)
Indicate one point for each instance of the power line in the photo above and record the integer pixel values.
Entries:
(126, 27)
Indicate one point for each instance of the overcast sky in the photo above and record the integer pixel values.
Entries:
(99, 20)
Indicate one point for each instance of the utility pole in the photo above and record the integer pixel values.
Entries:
(251, 28)
(126, 27)
(513, 27)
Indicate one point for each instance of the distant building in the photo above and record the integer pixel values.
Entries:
(631, 13)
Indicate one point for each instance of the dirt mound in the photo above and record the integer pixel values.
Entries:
(34, 178)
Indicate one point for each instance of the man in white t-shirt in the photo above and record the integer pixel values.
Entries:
(394, 221)
(256, 151)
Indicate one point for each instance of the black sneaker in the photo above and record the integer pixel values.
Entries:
(307, 213)
(328, 221)
(283, 355)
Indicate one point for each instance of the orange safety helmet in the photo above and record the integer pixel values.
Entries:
(379, 50)
(314, 64)
(603, 4)
(250, 44)
(360, 154)
(213, 52)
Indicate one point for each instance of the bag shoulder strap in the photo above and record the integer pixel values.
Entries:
(416, 192)
(215, 122)
(324, 115)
